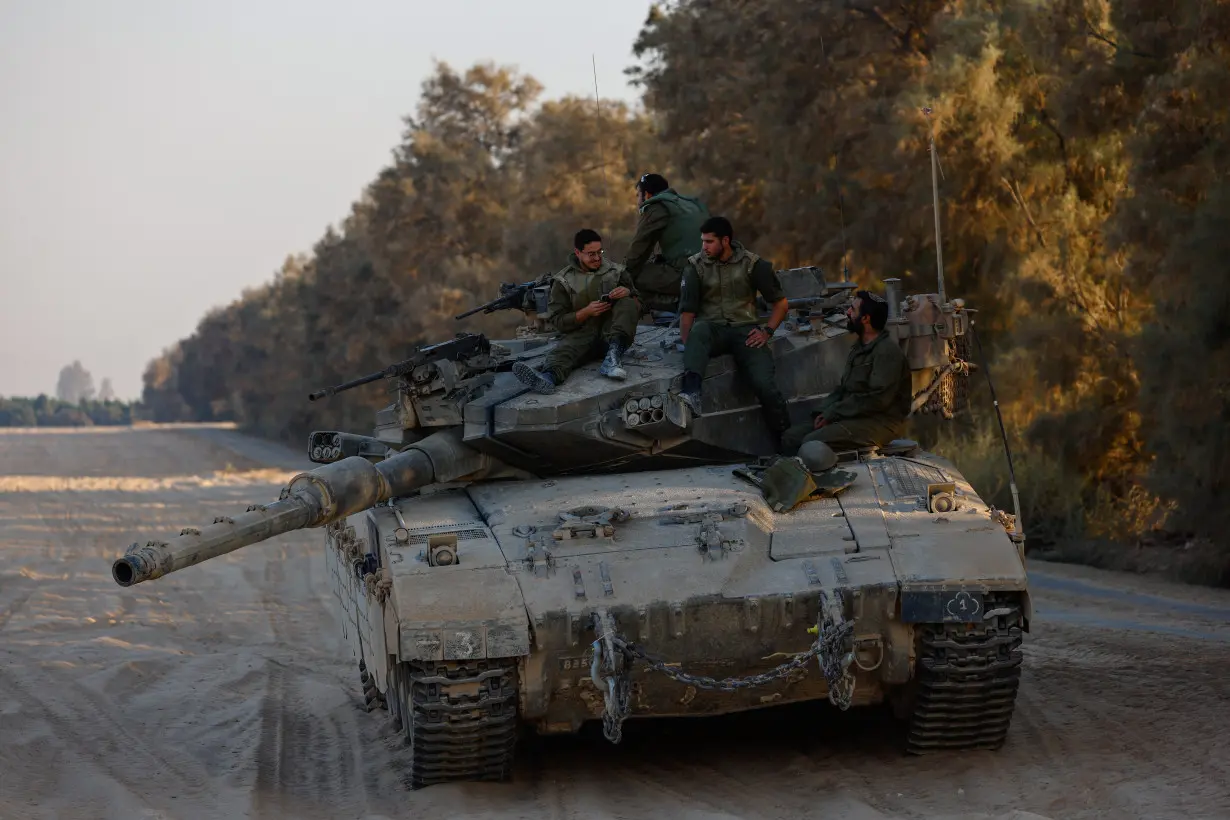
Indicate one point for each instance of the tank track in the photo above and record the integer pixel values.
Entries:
(460, 719)
(967, 680)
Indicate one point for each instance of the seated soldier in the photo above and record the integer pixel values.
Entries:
(671, 222)
(718, 315)
(870, 406)
(592, 302)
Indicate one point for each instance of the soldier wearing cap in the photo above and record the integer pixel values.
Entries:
(870, 406)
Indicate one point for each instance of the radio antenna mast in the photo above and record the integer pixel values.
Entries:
(841, 210)
(935, 200)
(598, 109)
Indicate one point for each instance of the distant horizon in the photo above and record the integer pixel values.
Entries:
(157, 161)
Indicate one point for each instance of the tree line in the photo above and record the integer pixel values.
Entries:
(76, 404)
(1085, 208)
(45, 411)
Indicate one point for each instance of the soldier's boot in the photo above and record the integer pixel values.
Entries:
(611, 366)
(689, 391)
(539, 382)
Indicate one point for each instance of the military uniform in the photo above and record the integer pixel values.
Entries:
(869, 407)
(723, 297)
(672, 222)
(572, 289)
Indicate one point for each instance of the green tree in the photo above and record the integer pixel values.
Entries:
(75, 383)
(1174, 229)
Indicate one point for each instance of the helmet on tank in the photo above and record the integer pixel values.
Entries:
(817, 456)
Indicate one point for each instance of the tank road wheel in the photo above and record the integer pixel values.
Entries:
(460, 719)
(967, 679)
(372, 697)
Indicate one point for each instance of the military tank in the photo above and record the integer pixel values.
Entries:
(505, 560)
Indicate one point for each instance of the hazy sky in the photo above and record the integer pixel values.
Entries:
(158, 157)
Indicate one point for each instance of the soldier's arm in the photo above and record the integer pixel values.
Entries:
(625, 279)
(881, 387)
(765, 280)
(649, 227)
(689, 300)
(559, 309)
(830, 401)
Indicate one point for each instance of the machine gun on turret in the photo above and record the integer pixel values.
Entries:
(512, 297)
(466, 344)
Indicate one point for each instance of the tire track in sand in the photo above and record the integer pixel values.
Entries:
(305, 757)
(143, 767)
(16, 605)
(1118, 707)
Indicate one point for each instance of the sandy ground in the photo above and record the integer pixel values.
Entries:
(225, 690)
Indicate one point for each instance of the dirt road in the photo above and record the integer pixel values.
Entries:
(225, 690)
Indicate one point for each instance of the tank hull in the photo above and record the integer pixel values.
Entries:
(691, 566)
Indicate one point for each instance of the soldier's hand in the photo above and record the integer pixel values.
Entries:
(819, 422)
(594, 308)
(620, 292)
(757, 338)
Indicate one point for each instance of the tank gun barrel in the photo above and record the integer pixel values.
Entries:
(155, 559)
(312, 499)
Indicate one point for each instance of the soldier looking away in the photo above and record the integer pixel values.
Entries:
(718, 315)
(672, 223)
(870, 405)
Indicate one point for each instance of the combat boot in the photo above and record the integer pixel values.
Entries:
(611, 366)
(689, 391)
(538, 381)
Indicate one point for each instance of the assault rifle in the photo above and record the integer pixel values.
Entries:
(466, 344)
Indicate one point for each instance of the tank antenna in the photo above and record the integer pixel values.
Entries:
(935, 198)
(841, 210)
(598, 109)
(1019, 534)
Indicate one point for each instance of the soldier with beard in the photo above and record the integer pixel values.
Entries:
(870, 406)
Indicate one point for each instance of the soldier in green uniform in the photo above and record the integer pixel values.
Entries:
(592, 301)
(672, 223)
(718, 315)
(870, 406)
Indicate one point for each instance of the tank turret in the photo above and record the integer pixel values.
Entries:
(592, 424)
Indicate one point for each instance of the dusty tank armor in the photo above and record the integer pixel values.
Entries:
(506, 559)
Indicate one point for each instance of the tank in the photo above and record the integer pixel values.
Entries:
(507, 561)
